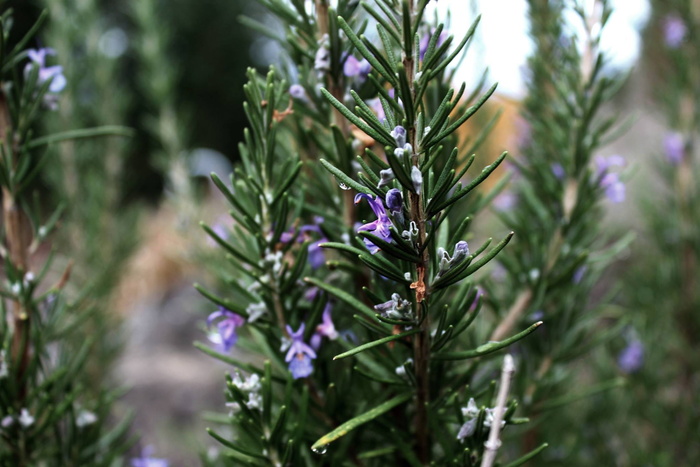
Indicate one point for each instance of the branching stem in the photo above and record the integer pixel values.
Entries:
(494, 441)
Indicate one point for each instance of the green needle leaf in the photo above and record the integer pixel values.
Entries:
(351, 424)
(528, 456)
(369, 345)
(110, 130)
(343, 296)
(486, 348)
(343, 178)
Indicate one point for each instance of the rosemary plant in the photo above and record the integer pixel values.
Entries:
(350, 275)
(561, 253)
(659, 350)
(87, 176)
(48, 413)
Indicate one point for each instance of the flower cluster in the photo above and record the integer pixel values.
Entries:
(396, 308)
(447, 262)
(52, 74)
(302, 234)
(300, 354)
(228, 322)
(610, 181)
(249, 386)
(145, 459)
(381, 227)
(471, 414)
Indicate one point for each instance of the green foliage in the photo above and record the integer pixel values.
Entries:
(560, 252)
(53, 410)
(388, 388)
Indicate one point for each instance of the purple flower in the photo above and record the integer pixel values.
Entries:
(674, 31)
(394, 200)
(386, 176)
(147, 461)
(299, 355)
(614, 188)
(477, 299)
(317, 257)
(325, 329)
(558, 171)
(631, 358)
(50, 73)
(380, 227)
(610, 182)
(537, 315)
(674, 146)
(425, 41)
(227, 324)
(396, 308)
(446, 262)
(578, 274)
(417, 179)
(356, 68)
(322, 59)
(603, 164)
(471, 413)
(460, 252)
(316, 254)
(376, 106)
(297, 91)
(505, 201)
(399, 135)
(310, 294)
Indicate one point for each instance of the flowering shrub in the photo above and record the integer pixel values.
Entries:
(363, 317)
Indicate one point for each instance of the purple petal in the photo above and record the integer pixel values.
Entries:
(631, 358)
(301, 366)
(351, 67)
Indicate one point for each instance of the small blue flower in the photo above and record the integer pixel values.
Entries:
(394, 200)
(396, 308)
(675, 31)
(322, 59)
(399, 135)
(300, 354)
(297, 91)
(354, 68)
(674, 146)
(610, 182)
(558, 171)
(417, 179)
(145, 460)
(447, 262)
(614, 188)
(380, 227)
(376, 105)
(578, 274)
(325, 329)
(316, 253)
(228, 321)
(46, 73)
(631, 358)
(386, 176)
(477, 299)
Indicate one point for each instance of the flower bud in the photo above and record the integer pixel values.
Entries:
(386, 177)
(394, 200)
(399, 135)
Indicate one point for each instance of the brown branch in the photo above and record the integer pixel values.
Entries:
(18, 239)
